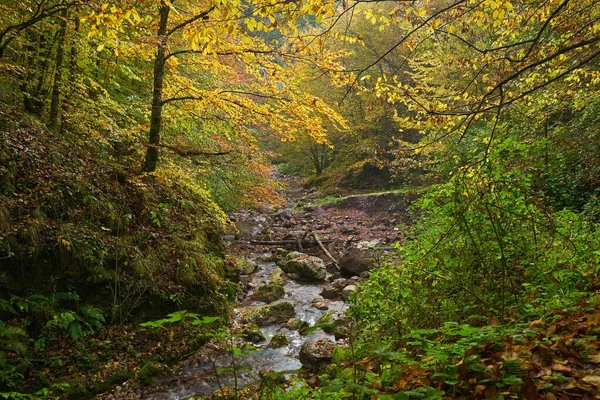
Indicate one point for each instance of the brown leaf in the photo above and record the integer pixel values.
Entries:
(528, 390)
(562, 369)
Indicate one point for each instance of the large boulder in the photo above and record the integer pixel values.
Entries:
(316, 355)
(355, 261)
(304, 265)
(277, 312)
(269, 293)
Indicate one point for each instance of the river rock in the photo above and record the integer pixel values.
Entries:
(316, 355)
(296, 324)
(277, 277)
(339, 284)
(278, 340)
(330, 292)
(306, 266)
(349, 291)
(269, 293)
(277, 312)
(244, 267)
(320, 304)
(339, 328)
(355, 261)
(253, 334)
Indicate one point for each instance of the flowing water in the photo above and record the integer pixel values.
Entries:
(198, 376)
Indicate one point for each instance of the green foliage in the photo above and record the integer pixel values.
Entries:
(35, 322)
(483, 246)
(180, 316)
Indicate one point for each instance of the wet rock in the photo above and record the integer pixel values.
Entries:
(355, 261)
(349, 291)
(277, 277)
(269, 293)
(279, 340)
(306, 266)
(330, 292)
(296, 324)
(340, 284)
(253, 334)
(316, 355)
(277, 312)
(320, 304)
(244, 267)
(355, 280)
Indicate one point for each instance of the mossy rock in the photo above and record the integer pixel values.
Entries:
(279, 340)
(277, 312)
(269, 293)
(281, 253)
(297, 324)
(253, 334)
(277, 277)
(306, 266)
(244, 267)
(153, 369)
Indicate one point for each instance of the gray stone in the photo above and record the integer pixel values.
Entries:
(349, 291)
(316, 355)
(355, 261)
(330, 292)
(306, 266)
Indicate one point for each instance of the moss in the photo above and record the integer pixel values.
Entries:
(269, 293)
(279, 340)
(277, 312)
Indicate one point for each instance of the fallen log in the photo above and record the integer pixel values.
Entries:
(284, 242)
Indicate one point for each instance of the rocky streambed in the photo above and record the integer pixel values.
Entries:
(292, 307)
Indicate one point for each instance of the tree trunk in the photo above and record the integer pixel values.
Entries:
(57, 86)
(159, 70)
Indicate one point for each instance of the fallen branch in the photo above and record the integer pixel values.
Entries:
(325, 250)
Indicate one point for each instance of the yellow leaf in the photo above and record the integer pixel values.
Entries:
(100, 47)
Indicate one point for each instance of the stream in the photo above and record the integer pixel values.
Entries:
(198, 375)
(357, 230)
